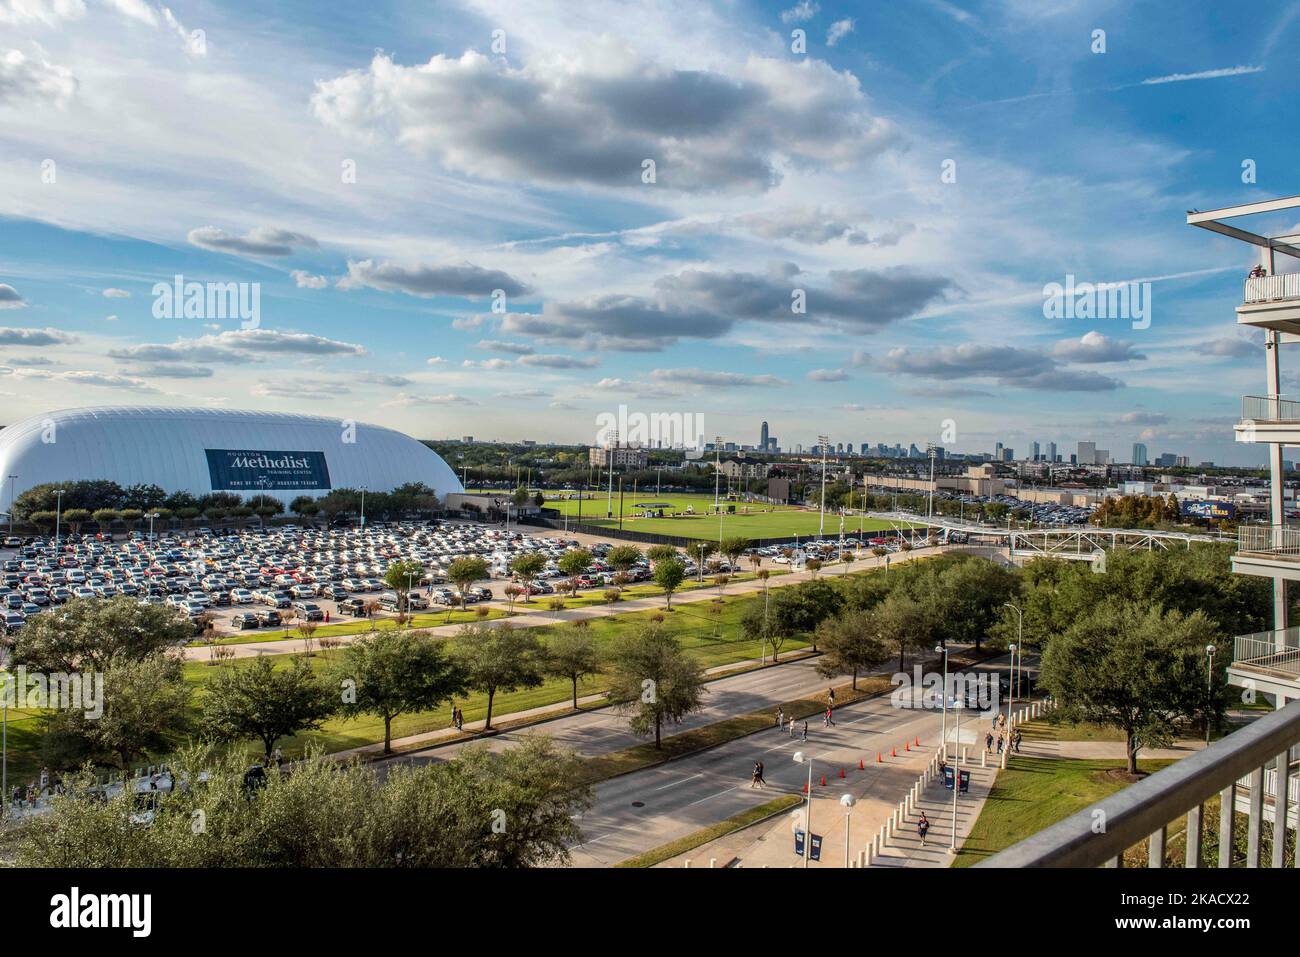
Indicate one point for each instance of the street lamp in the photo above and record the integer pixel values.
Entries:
(821, 527)
(12, 480)
(943, 735)
(1209, 689)
(956, 777)
(363, 510)
(801, 758)
(151, 516)
(846, 802)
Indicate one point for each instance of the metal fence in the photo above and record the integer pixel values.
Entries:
(1269, 408)
(1099, 835)
(1269, 288)
(1269, 539)
(1277, 652)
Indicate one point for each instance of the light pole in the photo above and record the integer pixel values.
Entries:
(1006, 744)
(943, 734)
(4, 748)
(929, 514)
(152, 516)
(846, 802)
(821, 527)
(12, 480)
(58, 514)
(1013, 684)
(1209, 689)
(956, 777)
(801, 758)
(363, 510)
(609, 453)
(717, 468)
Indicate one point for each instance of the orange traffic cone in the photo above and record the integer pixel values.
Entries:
(893, 752)
(879, 759)
(861, 766)
(823, 780)
(805, 787)
(907, 745)
(917, 742)
(841, 772)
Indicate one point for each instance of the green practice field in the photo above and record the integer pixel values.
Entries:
(691, 516)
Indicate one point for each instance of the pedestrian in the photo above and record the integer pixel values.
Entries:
(805, 730)
(1015, 741)
(923, 827)
(45, 780)
(278, 757)
(460, 720)
(988, 743)
(830, 697)
(830, 717)
(327, 616)
(792, 726)
(780, 717)
(1000, 741)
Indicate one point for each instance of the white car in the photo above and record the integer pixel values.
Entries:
(241, 596)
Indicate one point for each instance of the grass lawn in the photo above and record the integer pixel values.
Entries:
(1034, 793)
(596, 596)
(1045, 729)
(356, 626)
(751, 520)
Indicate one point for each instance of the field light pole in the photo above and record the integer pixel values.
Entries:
(363, 510)
(1209, 689)
(12, 480)
(821, 526)
(58, 514)
(717, 468)
(152, 516)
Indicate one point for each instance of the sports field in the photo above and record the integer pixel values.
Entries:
(692, 516)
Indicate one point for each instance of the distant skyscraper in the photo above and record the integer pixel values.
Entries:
(1051, 451)
(1087, 453)
(1034, 454)
(997, 452)
(762, 437)
(1139, 454)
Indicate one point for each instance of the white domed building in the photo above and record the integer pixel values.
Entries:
(215, 450)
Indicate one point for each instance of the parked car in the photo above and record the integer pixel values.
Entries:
(246, 620)
(268, 618)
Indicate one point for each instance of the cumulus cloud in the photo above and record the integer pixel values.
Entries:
(305, 280)
(46, 12)
(113, 293)
(801, 11)
(828, 375)
(804, 225)
(101, 380)
(464, 279)
(299, 389)
(839, 30)
(25, 82)
(716, 380)
(1229, 347)
(261, 241)
(1095, 347)
(238, 346)
(559, 361)
(525, 394)
(1010, 366)
(510, 348)
(380, 378)
(173, 371)
(34, 337)
(450, 398)
(1143, 418)
(491, 365)
(594, 116)
(9, 298)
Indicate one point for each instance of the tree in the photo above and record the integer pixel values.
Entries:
(668, 575)
(573, 563)
(700, 552)
(264, 702)
(572, 653)
(527, 567)
(1134, 667)
(734, 547)
(814, 566)
(621, 558)
(144, 705)
(401, 576)
(464, 572)
(849, 644)
(903, 623)
(86, 634)
(497, 659)
(656, 553)
(76, 517)
(391, 673)
(104, 518)
(653, 680)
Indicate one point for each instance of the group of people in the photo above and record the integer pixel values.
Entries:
(999, 736)
(27, 795)
(457, 718)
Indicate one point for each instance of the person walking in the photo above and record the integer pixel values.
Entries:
(923, 827)
(1000, 743)
(805, 730)
(780, 717)
(1015, 741)
(830, 697)
(792, 726)
(830, 717)
(757, 781)
(278, 757)
(988, 743)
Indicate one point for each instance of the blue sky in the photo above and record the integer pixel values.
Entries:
(140, 141)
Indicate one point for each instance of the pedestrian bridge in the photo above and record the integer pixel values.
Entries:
(1075, 542)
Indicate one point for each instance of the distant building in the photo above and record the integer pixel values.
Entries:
(623, 457)
(763, 437)
(1087, 453)
(744, 468)
(1139, 454)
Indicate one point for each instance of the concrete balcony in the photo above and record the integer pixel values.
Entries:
(1269, 418)
(1267, 661)
(1269, 550)
(1272, 302)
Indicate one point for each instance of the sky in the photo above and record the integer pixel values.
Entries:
(503, 219)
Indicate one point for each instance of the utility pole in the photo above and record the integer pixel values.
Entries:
(609, 454)
(717, 468)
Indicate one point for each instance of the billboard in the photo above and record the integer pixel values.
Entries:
(253, 470)
(1218, 510)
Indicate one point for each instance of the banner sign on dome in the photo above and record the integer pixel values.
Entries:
(250, 470)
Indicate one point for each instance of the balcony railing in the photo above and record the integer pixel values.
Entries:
(1271, 288)
(1275, 541)
(1146, 810)
(1273, 652)
(1270, 408)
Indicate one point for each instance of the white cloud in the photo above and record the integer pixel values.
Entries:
(27, 82)
(305, 280)
(261, 241)
(801, 11)
(839, 30)
(1202, 75)
(9, 298)
(46, 12)
(113, 293)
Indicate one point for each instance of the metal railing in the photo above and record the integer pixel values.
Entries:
(1270, 288)
(1275, 540)
(1269, 408)
(1277, 652)
(1099, 835)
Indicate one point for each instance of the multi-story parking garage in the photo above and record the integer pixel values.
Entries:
(215, 450)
